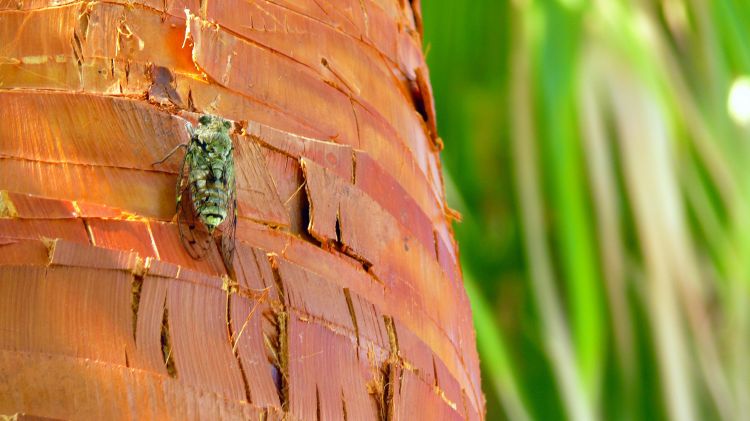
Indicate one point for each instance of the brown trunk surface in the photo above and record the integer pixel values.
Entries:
(347, 300)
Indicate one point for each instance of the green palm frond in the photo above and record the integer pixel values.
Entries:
(606, 194)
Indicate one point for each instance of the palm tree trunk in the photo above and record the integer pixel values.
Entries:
(344, 299)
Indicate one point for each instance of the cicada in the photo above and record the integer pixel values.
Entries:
(206, 193)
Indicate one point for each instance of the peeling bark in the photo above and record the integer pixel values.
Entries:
(344, 300)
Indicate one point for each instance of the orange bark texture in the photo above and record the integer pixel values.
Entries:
(345, 298)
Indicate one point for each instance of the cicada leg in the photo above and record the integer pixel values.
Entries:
(169, 154)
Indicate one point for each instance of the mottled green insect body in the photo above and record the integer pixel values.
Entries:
(210, 171)
(206, 195)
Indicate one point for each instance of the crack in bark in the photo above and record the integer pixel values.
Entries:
(166, 344)
(418, 100)
(317, 403)
(353, 315)
(78, 55)
(386, 399)
(435, 239)
(343, 405)
(329, 244)
(356, 122)
(394, 363)
(337, 229)
(89, 233)
(390, 327)
(435, 374)
(232, 343)
(347, 84)
(279, 347)
(135, 300)
(388, 373)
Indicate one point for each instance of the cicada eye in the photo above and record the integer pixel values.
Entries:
(205, 119)
(227, 124)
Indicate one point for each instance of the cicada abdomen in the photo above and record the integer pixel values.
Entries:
(206, 194)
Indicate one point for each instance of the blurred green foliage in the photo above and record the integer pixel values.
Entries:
(605, 186)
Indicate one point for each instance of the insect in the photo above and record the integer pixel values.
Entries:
(206, 193)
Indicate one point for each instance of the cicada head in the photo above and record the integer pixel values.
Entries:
(213, 134)
(214, 124)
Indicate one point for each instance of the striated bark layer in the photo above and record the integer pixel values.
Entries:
(344, 299)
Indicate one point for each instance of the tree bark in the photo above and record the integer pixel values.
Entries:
(344, 299)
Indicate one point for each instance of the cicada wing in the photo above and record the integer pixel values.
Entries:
(229, 227)
(227, 233)
(193, 233)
